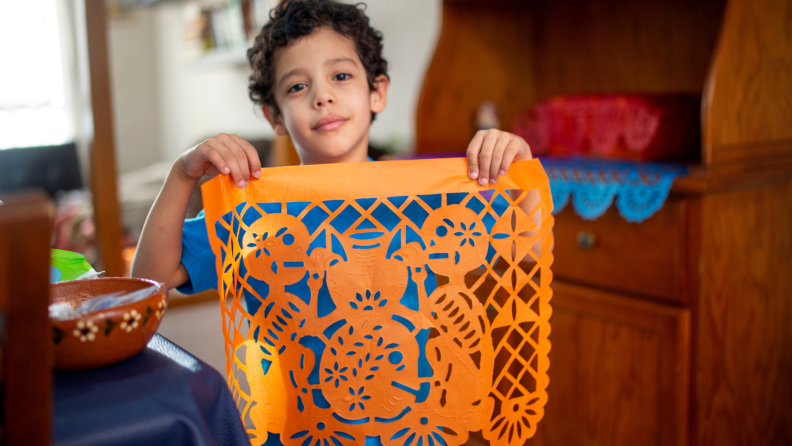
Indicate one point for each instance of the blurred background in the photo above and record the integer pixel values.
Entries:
(665, 128)
(178, 74)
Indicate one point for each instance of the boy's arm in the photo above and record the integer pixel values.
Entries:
(158, 255)
(159, 252)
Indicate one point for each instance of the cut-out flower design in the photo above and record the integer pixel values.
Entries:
(357, 397)
(369, 302)
(352, 361)
(131, 321)
(516, 418)
(425, 432)
(467, 232)
(337, 374)
(86, 331)
(514, 232)
(261, 241)
(322, 433)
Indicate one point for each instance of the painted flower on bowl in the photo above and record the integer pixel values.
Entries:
(86, 331)
(131, 321)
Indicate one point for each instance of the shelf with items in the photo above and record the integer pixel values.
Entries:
(518, 54)
(226, 30)
(220, 58)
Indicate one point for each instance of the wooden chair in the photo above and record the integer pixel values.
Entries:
(25, 345)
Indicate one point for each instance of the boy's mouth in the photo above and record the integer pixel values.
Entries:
(328, 123)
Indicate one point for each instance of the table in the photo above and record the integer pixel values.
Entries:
(162, 396)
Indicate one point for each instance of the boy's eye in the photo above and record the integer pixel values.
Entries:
(295, 88)
(342, 77)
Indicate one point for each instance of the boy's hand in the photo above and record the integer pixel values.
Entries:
(222, 154)
(491, 152)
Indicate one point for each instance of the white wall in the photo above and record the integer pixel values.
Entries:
(135, 87)
(410, 31)
(198, 103)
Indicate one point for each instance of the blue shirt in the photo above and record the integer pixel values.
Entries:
(197, 257)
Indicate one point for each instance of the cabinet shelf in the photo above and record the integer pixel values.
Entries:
(220, 58)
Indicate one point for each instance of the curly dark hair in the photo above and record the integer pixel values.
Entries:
(293, 19)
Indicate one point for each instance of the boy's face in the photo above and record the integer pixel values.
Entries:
(324, 99)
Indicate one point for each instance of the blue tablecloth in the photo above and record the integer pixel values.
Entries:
(162, 396)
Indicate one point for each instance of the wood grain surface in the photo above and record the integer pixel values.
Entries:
(519, 53)
(614, 46)
(483, 54)
(705, 286)
(748, 97)
(744, 319)
(643, 259)
(102, 148)
(25, 224)
(619, 371)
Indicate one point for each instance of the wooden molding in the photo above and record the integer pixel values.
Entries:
(102, 148)
(748, 94)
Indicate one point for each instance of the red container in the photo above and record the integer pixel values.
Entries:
(643, 127)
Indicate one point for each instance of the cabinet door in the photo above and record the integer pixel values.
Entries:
(618, 371)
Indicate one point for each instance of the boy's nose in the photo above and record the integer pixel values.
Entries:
(324, 96)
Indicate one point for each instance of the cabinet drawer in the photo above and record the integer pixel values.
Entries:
(640, 258)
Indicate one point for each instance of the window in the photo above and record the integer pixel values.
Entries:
(34, 105)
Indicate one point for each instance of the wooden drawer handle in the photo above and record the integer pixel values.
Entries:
(586, 240)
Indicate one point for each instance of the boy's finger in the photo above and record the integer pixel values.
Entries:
(217, 160)
(241, 158)
(233, 164)
(473, 153)
(526, 151)
(252, 155)
(217, 147)
(485, 158)
(232, 150)
(497, 158)
(508, 157)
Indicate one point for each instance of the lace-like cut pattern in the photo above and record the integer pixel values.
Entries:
(639, 189)
(399, 300)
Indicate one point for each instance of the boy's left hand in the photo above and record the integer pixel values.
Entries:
(491, 152)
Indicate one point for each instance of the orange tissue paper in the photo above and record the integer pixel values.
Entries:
(396, 300)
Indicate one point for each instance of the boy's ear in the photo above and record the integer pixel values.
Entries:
(378, 97)
(275, 119)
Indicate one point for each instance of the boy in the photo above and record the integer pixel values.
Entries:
(319, 76)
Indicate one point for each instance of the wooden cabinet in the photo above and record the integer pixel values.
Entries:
(676, 330)
(619, 368)
(644, 258)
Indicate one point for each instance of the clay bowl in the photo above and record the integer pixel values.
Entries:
(107, 336)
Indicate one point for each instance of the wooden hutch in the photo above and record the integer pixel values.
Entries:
(677, 330)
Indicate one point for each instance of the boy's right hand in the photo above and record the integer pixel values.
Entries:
(222, 154)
